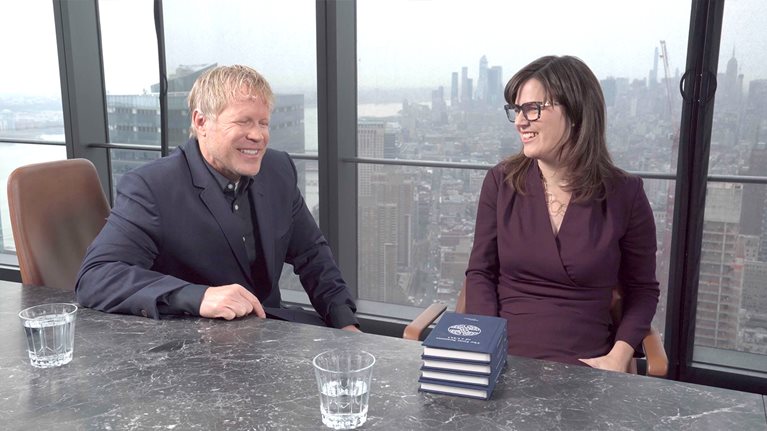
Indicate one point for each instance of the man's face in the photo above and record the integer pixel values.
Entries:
(235, 142)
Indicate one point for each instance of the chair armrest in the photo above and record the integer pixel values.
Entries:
(657, 361)
(414, 330)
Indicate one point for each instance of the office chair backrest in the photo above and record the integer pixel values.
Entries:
(460, 303)
(57, 209)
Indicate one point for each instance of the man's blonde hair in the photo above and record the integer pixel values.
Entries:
(218, 87)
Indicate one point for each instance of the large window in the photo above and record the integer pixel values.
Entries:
(275, 37)
(131, 78)
(431, 89)
(399, 171)
(30, 100)
(731, 316)
(416, 230)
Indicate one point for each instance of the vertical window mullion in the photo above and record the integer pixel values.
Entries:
(692, 168)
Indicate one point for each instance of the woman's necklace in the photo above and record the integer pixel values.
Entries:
(556, 207)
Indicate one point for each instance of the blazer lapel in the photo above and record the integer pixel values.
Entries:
(261, 197)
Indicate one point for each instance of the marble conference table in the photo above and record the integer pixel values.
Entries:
(134, 373)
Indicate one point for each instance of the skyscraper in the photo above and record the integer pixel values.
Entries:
(753, 218)
(378, 251)
(370, 143)
(609, 90)
(438, 107)
(731, 76)
(482, 89)
(721, 268)
(386, 237)
(653, 81)
(755, 121)
(495, 86)
(454, 90)
(753, 328)
(469, 93)
(465, 86)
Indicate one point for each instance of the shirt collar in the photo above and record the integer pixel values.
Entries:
(225, 184)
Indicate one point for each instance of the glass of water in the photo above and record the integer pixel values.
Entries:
(343, 379)
(50, 332)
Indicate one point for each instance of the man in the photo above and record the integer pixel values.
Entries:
(205, 231)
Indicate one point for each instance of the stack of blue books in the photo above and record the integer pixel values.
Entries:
(464, 355)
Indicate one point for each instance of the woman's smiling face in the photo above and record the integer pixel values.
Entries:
(542, 138)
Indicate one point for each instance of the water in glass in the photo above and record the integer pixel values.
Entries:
(343, 380)
(50, 334)
(344, 405)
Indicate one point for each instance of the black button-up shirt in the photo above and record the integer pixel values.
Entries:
(239, 202)
(189, 298)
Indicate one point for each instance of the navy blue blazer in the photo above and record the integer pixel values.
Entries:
(172, 228)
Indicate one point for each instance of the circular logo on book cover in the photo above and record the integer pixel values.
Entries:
(464, 330)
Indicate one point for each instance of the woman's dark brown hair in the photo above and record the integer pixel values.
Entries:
(570, 83)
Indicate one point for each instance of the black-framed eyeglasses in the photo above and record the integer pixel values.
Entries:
(530, 110)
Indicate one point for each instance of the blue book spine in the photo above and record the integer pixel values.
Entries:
(468, 367)
(453, 375)
(462, 389)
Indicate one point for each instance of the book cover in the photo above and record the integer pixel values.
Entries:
(467, 376)
(466, 337)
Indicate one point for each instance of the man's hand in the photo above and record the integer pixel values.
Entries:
(617, 360)
(229, 302)
(351, 328)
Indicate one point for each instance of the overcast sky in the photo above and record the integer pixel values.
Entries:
(401, 43)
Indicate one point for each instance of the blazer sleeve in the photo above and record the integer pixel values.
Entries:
(309, 253)
(115, 275)
(637, 270)
(484, 268)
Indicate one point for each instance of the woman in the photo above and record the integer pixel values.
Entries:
(559, 226)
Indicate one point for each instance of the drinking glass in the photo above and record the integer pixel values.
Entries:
(343, 380)
(50, 330)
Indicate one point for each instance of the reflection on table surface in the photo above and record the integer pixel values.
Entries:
(132, 372)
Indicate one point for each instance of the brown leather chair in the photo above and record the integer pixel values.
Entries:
(57, 209)
(657, 361)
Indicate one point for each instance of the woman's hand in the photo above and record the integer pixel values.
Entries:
(617, 360)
